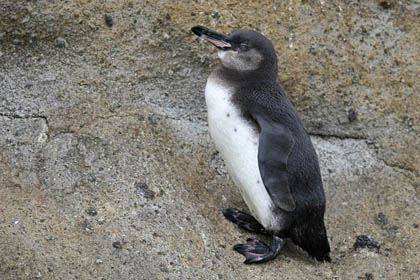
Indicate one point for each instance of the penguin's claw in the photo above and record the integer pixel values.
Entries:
(243, 220)
(254, 250)
(257, 251)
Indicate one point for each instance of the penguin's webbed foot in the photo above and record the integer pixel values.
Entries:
(244, 220)
(257, 251)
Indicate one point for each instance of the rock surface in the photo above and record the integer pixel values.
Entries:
(112, 118)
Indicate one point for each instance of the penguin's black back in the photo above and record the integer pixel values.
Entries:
(269, 98)
(306, 223)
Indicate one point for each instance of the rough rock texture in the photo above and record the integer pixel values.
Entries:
(112, 116)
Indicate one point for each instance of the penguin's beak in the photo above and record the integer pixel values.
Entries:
(217, 39)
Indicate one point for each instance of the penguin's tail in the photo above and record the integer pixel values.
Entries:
(311, 236)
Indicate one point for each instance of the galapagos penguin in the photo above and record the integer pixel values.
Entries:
(267, 151)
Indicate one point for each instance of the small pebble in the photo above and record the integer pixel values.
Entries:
(85, 226)
(352, 115)
(312, 50)
(381, 218)
(143, 189)
(117, 245)
(317, 124)
(163, 268)
(99, 261)
(386, 4)
(29, 85)
(152, 121)
(369, 276)
(392, 230)
(60, 42)
(215, 15)
(408, 121)
(108, 21)
(363, 241)
(101, 221)
(91, 211)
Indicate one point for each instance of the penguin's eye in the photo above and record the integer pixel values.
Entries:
(244, 47)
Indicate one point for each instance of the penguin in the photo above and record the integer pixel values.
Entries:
(267, 151)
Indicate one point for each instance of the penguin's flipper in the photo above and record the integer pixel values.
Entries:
(275, 145)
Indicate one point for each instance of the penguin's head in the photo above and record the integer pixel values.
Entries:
(241, 50)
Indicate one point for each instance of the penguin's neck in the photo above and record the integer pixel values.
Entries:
(235, 78)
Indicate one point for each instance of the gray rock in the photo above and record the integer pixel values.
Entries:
(91, 211)
(60, 42)
(104, 116)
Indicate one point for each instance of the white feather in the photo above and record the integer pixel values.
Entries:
(237, 143)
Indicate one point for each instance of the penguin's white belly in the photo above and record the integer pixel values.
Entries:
(237, 143)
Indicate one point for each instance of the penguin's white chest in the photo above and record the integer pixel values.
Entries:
(237, 142)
